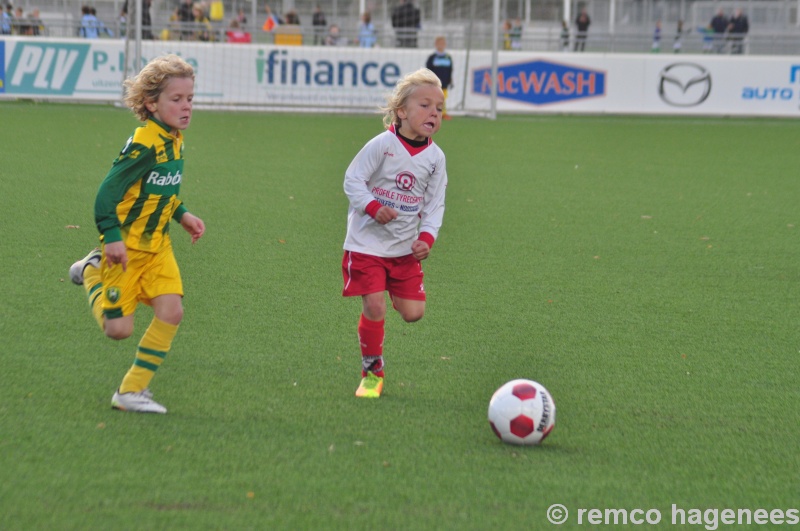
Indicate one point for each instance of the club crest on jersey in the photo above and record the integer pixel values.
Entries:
(113, 294)
(405, 180)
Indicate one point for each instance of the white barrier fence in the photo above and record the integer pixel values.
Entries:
(348, 79)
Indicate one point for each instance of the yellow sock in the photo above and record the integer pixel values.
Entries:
(152, 350)
(93, 282)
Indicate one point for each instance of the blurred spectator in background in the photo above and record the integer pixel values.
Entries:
(203, 31)
(19, 26)
(334, 37)
(186, 18)
(236, 34)
(678, 44)
(406, 23)
(564, 36)
(656, 47)
(100, 26)
(708, 38)
(89, 24)
(516, 35)
(6, 19)
(147, 22)
(241, 18)
(737, 31)
(718, 26)
(507, 35)
(291, 18)
(366, 31)
(319, 23)
(582, 22)
(35, 24)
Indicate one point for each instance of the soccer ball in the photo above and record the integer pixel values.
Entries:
(522, 412)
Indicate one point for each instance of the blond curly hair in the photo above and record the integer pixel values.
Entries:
(404, 88)
(151, 81)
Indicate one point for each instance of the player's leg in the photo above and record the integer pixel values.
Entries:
(119, 297)
(370, 337)
(371, 333)
(365, 276)
(163, 290)
(407, 288)
(86, 272)
(409, 309)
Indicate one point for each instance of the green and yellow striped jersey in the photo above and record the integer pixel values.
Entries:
(139, 195)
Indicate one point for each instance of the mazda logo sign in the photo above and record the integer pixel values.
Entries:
(684, 84)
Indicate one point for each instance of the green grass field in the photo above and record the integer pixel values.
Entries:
(645, 270)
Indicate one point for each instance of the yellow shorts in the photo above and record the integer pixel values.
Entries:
(148, 275)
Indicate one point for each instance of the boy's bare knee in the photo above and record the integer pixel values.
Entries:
(118, 334)
(412, 316)
(118, 330)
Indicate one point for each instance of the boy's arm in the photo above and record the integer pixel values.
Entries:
(193, 225)
(363, 166)
(432, 212)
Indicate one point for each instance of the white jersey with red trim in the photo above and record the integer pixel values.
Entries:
(412, 180)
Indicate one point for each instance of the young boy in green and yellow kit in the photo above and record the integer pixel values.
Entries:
(133, 209)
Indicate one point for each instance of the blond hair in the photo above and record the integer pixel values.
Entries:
(403, 90)
(151, 81)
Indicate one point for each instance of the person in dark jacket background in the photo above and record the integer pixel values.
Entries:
(405, 21)
(737, 31)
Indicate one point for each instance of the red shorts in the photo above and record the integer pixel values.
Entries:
(364, 274)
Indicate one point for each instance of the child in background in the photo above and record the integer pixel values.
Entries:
(441, 63)
(133, 209)
(656, 47)
(396, 188)
(366, 31)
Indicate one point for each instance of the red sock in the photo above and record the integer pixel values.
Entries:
(370, 336)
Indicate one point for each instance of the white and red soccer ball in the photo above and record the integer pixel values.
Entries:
(522, 412)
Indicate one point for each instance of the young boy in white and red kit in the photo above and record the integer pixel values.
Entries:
(396, 188)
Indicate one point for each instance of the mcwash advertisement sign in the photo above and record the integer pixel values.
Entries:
(541, 82)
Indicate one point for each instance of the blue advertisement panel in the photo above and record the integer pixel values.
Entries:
(541, 82)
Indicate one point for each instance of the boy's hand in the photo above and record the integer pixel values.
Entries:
(116, 254)
(385, 215)
(420, 250)
(193, 225)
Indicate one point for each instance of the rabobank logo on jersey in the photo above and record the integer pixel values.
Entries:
(162, 181)
(45, 68)
(541, 82)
